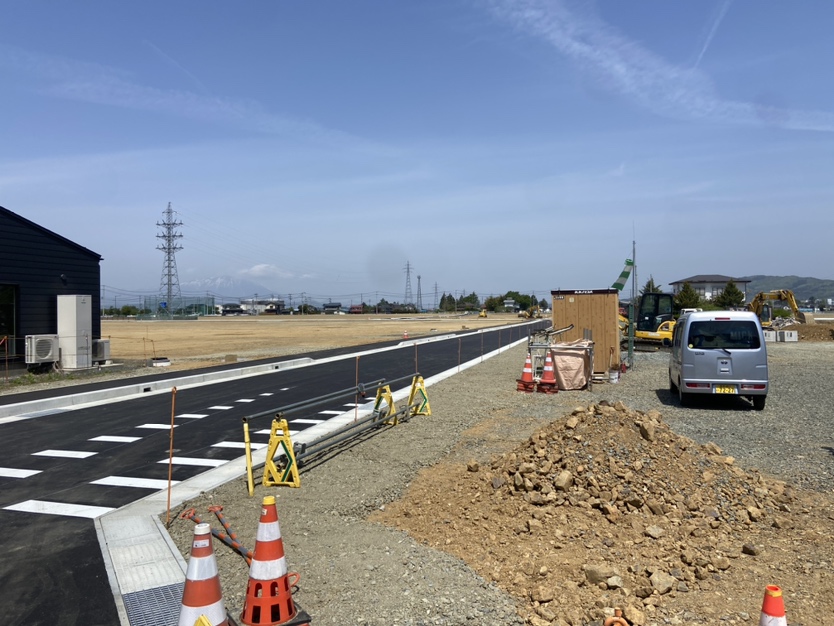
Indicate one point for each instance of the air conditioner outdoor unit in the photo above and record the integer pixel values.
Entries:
(101, 350)
(42, 348)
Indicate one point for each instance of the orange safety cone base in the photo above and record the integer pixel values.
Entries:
(301, 618)
(547, 387)
(525, 385)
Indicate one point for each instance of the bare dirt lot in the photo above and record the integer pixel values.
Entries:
(214, 340)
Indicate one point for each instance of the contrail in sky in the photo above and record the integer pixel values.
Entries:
(720, 18)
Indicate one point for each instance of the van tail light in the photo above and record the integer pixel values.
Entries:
(753, 387)
(697, 385)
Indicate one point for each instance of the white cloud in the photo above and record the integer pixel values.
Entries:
(265, 270)
(627, 68)
(94, 83)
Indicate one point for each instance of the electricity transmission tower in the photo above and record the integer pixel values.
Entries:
(419, 295)
(409, 297)
(169, 285)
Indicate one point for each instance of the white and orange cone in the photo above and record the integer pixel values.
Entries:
(773, 608)
(526, 382)
(201, 595)
(548, 383)
(268, 595)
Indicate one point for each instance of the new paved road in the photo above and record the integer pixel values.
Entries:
(59, 472)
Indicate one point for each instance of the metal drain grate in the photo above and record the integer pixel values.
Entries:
(159, 606)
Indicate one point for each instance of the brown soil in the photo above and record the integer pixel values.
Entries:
(608, 507)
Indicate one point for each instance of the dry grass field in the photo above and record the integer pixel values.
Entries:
(214, 340)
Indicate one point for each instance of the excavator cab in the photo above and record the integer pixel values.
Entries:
(655, 308)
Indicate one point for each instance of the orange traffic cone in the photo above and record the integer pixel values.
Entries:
(201, 595)
(405, 334)
(773, 608)
(548, 384)
(526, 382)
(268, 596)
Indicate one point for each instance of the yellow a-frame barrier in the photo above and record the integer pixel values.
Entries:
(384, 411)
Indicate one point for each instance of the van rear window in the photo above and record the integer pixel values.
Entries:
(732, 334)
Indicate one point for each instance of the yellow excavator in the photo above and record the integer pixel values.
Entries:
(760, 305)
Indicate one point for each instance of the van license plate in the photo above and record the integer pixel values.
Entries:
(725, 389)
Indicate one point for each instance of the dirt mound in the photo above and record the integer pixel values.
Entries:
(813, 332)
(608, 507)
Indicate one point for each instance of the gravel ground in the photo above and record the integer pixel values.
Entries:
(357, 572)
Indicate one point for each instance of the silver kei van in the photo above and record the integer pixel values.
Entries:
(721, 353)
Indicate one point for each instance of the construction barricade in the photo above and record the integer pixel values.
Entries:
(281, 467)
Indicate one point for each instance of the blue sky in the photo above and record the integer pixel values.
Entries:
(492, 145)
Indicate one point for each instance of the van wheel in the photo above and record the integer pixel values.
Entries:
(683, 398)
(673, 388)
(759, 402)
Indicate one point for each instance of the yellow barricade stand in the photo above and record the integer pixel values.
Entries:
(280, 436)
(418, 394)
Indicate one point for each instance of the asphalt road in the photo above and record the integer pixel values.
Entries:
(59, 472)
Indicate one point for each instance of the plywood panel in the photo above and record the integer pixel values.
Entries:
(595, 310)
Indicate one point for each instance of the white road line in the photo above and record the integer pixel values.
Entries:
(328, 412)
(157, 426)
(194, 416)
(284, 389)
(238, 445)
(59, 508)
(306, 421)
(13, 472)
(127, 481)
(245, 400)
(268, 393)
(65, 454)
(267, 431)
(221, 407)
(187, 460)
(115, 439)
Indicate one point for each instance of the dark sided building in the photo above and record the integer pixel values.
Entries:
(36, 266)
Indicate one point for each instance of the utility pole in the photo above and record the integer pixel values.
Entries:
(170, 282)
(419, 295)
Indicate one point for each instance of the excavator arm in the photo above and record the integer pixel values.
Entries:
(758, 304)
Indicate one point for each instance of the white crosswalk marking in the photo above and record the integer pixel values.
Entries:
(194, 416)
(65, 454)
(221, 407)
(127, 481)
(239, 445)
(157, 426)
(13, 472)
(59, 508)
(187, 460)
(115, 439)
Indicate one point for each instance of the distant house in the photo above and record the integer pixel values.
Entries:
(332, 308)
(355, 309)
(709, 286)
(232, 309)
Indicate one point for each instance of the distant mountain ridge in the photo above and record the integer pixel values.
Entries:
(802, 287)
